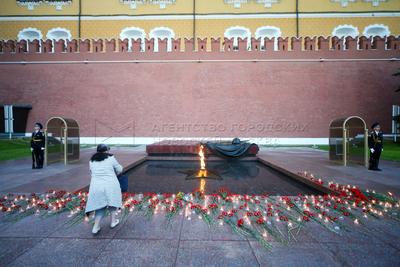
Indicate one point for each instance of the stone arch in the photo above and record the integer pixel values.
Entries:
(342, 31)
(133, 33)
(162, 33)
(57, 34)
(268, 32)
(373, 30)
(237, 32)
(30, 34)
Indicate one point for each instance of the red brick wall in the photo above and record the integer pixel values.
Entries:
(306, 95)
(207, 99)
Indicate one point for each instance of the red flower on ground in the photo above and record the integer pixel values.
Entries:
(240, 222)
(213, 206)
(260, 221)
(307, 213)
(358, 194)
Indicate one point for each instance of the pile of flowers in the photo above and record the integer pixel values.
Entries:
(263, 217)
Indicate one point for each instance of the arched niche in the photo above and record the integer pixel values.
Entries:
(57, 34)
(376, 30)
(162, 33)
(30, 34)
(62, 140)
(268, 32)
(343, 31)
(348, 140)
(134, 33)
(237, 32)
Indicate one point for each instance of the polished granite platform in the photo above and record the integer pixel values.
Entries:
(184, 147)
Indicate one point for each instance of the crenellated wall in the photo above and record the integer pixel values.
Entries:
(215, 91)
(178, 47)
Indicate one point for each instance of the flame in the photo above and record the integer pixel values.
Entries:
(202, 185)
(202, 172)
(202, 161)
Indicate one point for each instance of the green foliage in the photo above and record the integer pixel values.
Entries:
(15, 148)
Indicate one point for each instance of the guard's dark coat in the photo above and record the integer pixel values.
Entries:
(37, 144)
(375, 141)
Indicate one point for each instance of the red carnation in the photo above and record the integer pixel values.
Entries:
(257, 213)
(240, 222)
(307, 213)
(358, 194)
(213, 206)
(260, 221)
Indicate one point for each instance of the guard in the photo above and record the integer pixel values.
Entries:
(375, 143)
(37, 146)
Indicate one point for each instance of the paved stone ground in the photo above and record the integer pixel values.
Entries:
(317, 162)
(18, 176)
(138, 242)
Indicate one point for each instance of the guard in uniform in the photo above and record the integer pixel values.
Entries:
(37, 146)
(375, 143)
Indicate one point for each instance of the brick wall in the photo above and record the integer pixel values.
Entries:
(283, 93)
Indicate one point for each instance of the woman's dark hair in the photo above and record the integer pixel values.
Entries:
(102, 148)
(101, 154)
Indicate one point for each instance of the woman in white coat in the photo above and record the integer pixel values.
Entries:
(104, 189)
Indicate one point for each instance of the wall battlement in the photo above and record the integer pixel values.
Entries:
(329, 47)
